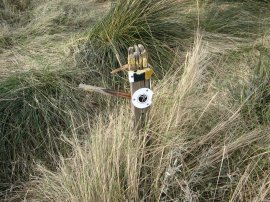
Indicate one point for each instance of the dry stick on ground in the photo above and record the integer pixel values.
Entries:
(104, 91)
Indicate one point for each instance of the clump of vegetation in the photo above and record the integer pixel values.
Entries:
(16, 4)
(195, 147)
(236, 18)
(207, 136)
(39, 88)
(37, 37)
(157, 24)
(255, 93)
(35, 110)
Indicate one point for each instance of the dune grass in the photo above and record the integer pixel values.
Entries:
(200, 149)
(254, 91)
(37, 37)
(157, 24)
(238, 18)
(38, 84)
(207, 135)
(35, 110)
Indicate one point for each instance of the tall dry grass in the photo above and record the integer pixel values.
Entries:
(195, 147)
(38, 82)
(207, 136)
(38, 37)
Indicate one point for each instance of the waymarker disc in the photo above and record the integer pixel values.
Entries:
(142, 98)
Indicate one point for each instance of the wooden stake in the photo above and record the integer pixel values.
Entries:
(140, 79)
(123, 68)
(140, 57)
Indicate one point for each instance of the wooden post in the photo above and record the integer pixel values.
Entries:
(139, 73)
(138, 66)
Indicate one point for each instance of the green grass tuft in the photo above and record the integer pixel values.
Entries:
(35, 109)
(157, 24)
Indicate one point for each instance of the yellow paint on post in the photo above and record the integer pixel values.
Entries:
(148, 73)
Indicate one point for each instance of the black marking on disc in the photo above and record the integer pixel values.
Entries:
(143, 98)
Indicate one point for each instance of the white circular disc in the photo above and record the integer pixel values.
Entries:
(142, 98)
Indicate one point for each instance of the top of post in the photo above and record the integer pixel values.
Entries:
(137, 58)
